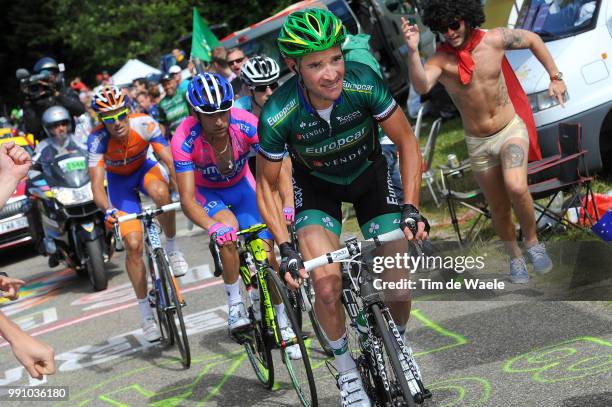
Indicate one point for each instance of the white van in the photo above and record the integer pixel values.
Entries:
(578, 34)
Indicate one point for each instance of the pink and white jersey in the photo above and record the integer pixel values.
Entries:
(192, 152)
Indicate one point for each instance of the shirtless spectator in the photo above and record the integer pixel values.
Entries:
(469, 66)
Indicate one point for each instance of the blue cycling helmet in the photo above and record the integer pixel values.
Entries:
(210, 93)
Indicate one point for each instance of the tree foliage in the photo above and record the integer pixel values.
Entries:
(90, 36)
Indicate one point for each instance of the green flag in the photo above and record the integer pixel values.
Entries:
(202, 39)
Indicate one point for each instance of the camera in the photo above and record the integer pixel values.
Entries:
(37, 85)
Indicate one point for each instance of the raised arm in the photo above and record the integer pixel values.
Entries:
(423, 78)
(507, 38)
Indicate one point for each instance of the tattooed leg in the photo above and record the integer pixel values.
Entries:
(514, 169)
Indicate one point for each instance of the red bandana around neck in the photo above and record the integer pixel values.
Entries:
(465, 67)
(465, 63)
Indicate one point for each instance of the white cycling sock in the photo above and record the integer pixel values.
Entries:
(170, 244)
(145, 308)
(281, 315)
(233, 293)
(344, 360)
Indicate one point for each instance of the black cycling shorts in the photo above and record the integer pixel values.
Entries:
(319, 202)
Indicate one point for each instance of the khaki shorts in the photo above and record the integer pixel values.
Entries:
(484, 152)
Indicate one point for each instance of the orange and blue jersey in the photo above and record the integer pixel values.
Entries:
(125, 157)
(128, 169)
(192, 152)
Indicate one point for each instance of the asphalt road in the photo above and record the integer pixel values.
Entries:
(471, 353)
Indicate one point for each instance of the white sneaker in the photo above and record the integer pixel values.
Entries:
(238, 319)
(149, 329)
(352, 392)
(178, 264)
(293, 351)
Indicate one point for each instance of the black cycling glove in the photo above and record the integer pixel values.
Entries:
(290, 260)
(411, 217)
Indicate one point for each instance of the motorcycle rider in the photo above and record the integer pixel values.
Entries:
(57, 124)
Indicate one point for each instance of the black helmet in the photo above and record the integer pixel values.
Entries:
(46, 63)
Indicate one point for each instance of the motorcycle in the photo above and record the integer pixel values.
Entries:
(73, 226)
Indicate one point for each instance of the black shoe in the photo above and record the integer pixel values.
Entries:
(53, 261)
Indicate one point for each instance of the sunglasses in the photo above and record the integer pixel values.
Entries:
(122, 115)
(454, 26)
(263, 88)
(208, 109)
(65, 123)
(235, 61)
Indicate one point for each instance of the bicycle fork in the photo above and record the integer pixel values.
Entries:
(415, 383)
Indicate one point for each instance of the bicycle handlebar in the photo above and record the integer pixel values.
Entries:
(146, 213)
(150, 212)
(344, 253)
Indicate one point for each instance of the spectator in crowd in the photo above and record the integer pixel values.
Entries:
(235, 60)
(154, 92)
(219, 64)
(173, 107)
(78, 86)
(176, 73)
(179, 55)
(139, 85)
(102, 79)
(147, 106)
(181, 84)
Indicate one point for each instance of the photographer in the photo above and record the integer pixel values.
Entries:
(43, 89)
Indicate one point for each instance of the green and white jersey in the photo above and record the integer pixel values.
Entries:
(173, 110)
(338, 151)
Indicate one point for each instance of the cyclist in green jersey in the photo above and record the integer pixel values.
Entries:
(327, 115)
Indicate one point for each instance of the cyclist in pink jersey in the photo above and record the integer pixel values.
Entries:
(210, 150)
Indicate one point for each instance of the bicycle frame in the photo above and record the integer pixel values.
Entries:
(254, 246)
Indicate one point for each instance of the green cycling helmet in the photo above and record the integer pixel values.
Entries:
(310, 30)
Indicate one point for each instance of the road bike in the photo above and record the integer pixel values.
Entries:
(259, 281)
(385, 363)
(165, 295)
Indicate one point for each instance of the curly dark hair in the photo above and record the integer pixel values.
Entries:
(438, 14)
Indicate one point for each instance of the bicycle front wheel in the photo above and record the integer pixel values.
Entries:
(174, 311)
(300, 371)
(256, 343)
(161, 298)
(399, 389)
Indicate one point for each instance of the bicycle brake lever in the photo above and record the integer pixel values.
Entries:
(119, 247)
(214, 251)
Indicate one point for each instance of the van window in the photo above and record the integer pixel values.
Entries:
(397, 7)
(340, 9)
(557, 19)
(265, 45)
